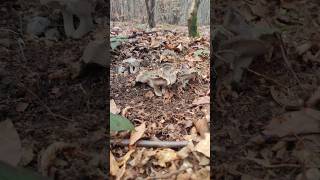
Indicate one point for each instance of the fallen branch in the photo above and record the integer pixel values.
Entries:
(148, 143)
(161, 144)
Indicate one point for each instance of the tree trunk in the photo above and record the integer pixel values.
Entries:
(150, 10)
(192, 19)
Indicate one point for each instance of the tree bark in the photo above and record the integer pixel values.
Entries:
(192, 19)
(150, 4)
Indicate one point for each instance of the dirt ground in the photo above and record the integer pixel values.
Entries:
(250, 145)
(44, 103)
(168, 117)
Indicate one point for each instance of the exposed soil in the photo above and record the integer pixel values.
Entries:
(242, 115)
(44, 103)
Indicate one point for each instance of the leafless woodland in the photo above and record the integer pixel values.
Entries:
(166, 11)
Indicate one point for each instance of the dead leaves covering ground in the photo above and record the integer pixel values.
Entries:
(274, 115)
(169, 103)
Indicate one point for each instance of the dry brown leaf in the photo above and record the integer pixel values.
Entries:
(125, 111)
(113, 107)
(27, 156)
(10, 144)
(184, 176)
(204, 145)
(202, 126)
(203, 173)
(114, 167)
(149, 94)
(185, 151)
(301, 49)
(121, 172)
(137, 134)
(166, 155)
(202, 100)
(294, 123)
(314, 99)
(285, 99)
(310, 174)
(48, 156)
(21, 106)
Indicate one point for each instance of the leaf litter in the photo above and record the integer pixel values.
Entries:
(272, 112)
(173, 70)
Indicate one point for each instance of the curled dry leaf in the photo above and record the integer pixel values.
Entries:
(294, 123)
(137, 134)
(113, 107)
(204, 145)
(10, 144)
(114, 166)
(202, 127)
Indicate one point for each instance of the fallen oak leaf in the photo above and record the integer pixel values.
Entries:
(10, 148)
(305, 121)
(114, 166)
(201, 100)
(137, 134)
(202, 126)
(113, 107)
(204, 145)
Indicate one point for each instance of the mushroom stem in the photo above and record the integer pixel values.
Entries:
(68, 23)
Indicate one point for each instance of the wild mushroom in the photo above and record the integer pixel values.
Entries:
(185, 75)
(134, 64)
(169, 72)
(80, 8)
(154, 80)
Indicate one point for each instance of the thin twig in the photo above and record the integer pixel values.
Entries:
(285, 58)
(9, 30)
(44, 105)
(266, 77)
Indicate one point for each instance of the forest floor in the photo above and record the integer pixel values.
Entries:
(268, 128)
(179, 114)
(56, 117)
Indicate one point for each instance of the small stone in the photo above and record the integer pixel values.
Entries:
(38, 25)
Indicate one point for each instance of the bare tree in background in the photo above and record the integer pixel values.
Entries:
(192, 19)
(150, 4)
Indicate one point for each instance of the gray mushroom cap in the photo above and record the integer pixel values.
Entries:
(134, 64)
